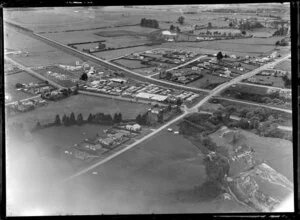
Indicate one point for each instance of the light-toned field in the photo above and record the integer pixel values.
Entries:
(21, 77)
(39, 53)
(80, 104)
(285, 65)
(131, 64)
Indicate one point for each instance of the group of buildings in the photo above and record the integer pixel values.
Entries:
(163, 57)
(35, 88)
(121, 87)
(25, 105)
(94, 148)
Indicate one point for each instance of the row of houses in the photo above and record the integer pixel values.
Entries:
(95, 148)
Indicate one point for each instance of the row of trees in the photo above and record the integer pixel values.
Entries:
(175, 28)
(151, 23)
(69, 120)
(282, 31)
(282, 42)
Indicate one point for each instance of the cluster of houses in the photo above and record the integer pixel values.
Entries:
(121, 87)
(162, 57)
(35, 88)
(275, 73)
(94, 148)
(25, 105)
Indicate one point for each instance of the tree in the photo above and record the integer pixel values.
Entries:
(65, 120)
(57, 120)
(243, 32)
(172, 28)
(219, 56)
(79, 119)
(120, 117)
(209, 25)
(178, 29)
(181, 20)
(160, 117)
(72, 119)
(90, 118)
(138, 119)
(84, 77)
(209, 144)
(38, 124)
(19, 85)
(230, 24)
(243, 123)
(179, 102)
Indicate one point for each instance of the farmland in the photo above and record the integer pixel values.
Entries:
(208, 81)
(21, 77)
(39, 53)
(162, 177)
(80, 104)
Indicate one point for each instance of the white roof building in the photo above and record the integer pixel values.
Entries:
(155, 97)
(168, 33)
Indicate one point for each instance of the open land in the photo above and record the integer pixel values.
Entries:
(11, 80)
(80, 104)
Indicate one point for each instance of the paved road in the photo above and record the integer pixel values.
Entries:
(186, 112)
(256, 104)
(21, 66)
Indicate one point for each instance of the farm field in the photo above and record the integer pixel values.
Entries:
(250, 89)
(207, 80)
(285, 65)
(281, 158)
(39, 53)
(158, 176)
(66, 137)
(79, 104)
(21, 77)
(130, 64)
(262, 32)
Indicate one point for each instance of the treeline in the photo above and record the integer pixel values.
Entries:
(249, 25)
(282, 42)
(261, 121)
(69, 120)
(151, 23)
(282, 31)
(273, 98)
